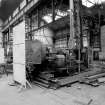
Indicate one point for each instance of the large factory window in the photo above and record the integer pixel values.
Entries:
(53, 10)
(85, 42)
(45, 13)
(61, 8)
(32, 20)
(61, 37)
(61, 43)
(8, 46)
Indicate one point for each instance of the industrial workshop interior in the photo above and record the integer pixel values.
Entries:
(52, 52)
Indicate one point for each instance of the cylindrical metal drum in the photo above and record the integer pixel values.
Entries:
(60, 60)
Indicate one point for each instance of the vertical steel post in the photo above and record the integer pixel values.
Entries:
(71, 42)
(53, 10)
(79, 34)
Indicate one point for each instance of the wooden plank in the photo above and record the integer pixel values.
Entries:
(101, 79)
(96, 76)
(41, 84)
(75, 78)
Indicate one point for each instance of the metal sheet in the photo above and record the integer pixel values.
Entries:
(35, 52)
(19, 53)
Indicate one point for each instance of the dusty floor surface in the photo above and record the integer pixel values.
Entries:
(78, 94)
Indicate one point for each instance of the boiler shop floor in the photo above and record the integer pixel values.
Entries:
(77, 94)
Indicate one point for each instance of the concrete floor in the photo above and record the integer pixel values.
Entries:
(78, 94)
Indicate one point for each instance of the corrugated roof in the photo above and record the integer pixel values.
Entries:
(90, 3)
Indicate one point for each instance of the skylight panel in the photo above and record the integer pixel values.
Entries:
(89, 3)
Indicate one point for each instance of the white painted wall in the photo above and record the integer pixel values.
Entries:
(0, 33)
(2, 56)
(102, 53)
(19, 71)
(1, 49)
(103, 38)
